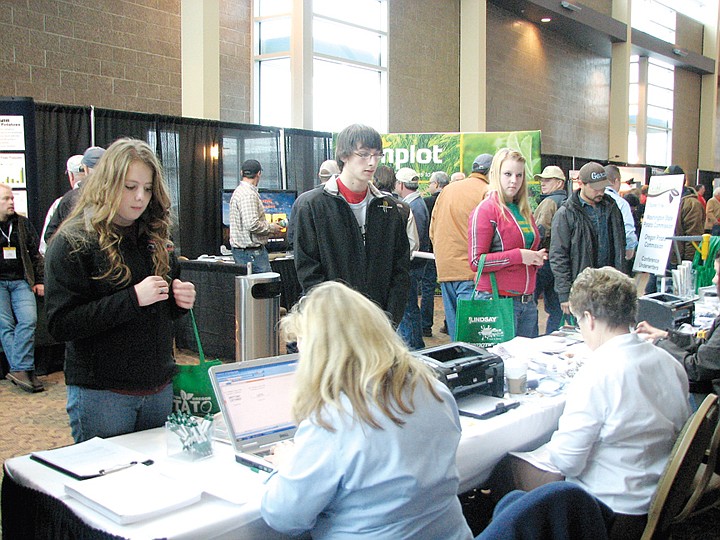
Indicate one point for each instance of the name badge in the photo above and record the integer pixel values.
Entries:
(9, 253)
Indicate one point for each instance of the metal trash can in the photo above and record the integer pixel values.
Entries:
(257, 312)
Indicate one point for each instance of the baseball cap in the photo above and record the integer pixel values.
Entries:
(674, 169)
(250, 168)
(91, 156)
(594, 174)
(328, 168)
(482, 163)
(74, 163)
(551, 171)
(407, 176)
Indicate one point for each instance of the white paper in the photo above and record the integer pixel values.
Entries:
(133, 494)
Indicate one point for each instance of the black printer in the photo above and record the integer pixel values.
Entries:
(466, 368)
(665, 311)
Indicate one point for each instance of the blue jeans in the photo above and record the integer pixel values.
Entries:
(102, 413)
(525, 315)
(257, 256)
(427, 291)
(545, 286)
(410, 328)
(18, 317)
(451, 291)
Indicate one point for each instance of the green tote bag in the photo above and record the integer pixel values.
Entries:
(485, 322)
(192, 390)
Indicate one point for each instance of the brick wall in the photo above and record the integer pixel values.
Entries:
(424, 66)
(537, 80)
(115, 54)
(236, 61)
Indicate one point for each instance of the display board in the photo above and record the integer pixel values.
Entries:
(277, 204)
(18, 167)
(661, 213)
(452, 152)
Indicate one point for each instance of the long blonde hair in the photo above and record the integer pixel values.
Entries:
(348, 346)
(521, 199)
(93, 215)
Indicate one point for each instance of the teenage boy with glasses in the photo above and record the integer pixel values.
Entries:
(348, 230)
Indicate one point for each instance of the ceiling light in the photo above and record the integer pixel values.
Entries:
(545, 19)
(569, 6)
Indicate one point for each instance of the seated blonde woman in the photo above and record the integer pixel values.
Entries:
(374, 453)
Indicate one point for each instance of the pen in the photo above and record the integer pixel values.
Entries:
(252, 465)
(116, 468)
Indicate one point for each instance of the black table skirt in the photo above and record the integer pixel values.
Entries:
(30, 514)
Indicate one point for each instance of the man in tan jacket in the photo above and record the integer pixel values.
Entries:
(449, 235)
(712, 211)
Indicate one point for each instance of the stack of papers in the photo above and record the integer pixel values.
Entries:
(133, 494)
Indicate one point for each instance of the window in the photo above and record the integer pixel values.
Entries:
(652, 85)
(654, 17)
(239, 145)
(348, 41)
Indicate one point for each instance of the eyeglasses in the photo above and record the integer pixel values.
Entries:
(367, 156)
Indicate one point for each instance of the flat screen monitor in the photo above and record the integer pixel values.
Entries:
(277, 203)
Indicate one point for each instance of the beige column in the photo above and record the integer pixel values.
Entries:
(200, 44)
(619, 122)
(709, 94)
(473, 65)
(301, 65)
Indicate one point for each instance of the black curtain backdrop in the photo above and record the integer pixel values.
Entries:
(186, 145)
(306, 150)
(60, 132)
(112, 125)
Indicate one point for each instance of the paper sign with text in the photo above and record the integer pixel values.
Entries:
(661, 211)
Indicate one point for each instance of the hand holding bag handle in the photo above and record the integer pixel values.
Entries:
(493, 281)
(192, 389)
(486, 322)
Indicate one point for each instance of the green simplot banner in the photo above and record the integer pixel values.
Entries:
(452, 152)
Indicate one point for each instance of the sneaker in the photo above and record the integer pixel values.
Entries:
(427, 332)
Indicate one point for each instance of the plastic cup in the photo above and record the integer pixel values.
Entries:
(516, 377)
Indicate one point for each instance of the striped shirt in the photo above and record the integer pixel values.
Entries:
(248, 226)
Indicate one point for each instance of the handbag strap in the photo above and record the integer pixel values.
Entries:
(568, 319)
(493, 282)
(197, 337)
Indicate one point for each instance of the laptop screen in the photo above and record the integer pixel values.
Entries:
(256, 401)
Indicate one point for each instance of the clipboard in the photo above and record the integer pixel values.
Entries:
(90, 459)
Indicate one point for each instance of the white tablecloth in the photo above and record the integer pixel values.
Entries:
(483, 444)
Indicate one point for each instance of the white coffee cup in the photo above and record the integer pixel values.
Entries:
(516, 376)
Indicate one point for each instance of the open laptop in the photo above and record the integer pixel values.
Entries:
(255, 399)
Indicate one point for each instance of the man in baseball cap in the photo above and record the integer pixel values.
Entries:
(553, 195)
(89, 161)
(587, 231)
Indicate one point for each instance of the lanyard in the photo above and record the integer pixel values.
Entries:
(7, 236)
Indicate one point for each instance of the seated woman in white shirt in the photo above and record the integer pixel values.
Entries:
(624, 408)
(374, 453)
